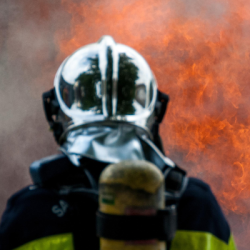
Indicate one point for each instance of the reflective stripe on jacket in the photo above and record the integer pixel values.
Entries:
(55, 242)
(191, 240)
(184, 240)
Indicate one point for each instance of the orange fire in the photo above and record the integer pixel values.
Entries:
(200, 54)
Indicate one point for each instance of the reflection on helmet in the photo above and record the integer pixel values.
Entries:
(106, 81)
(87, 88)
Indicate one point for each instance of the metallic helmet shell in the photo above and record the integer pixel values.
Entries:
(106, 81)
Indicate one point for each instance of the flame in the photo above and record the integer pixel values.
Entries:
(200, 54)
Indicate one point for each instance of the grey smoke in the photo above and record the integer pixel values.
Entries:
(28, 62)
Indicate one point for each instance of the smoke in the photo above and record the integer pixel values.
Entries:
(199, 52)
(27, 66)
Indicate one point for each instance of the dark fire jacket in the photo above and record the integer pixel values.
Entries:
(53, 217)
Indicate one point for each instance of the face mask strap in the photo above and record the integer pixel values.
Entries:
(161, 106)
(160, 110)
(51, 109)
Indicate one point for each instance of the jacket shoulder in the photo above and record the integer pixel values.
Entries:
(199, 210)
(35, 211)
(39, 211)
(33, 207)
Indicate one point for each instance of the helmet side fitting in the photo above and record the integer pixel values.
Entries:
(105, 82)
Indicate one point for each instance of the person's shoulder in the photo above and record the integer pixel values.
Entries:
(36, 197)
(199, 210)
(30, 210)
(198, 196)
(198, 188)
(30, 193)
(28, 214)
(17, 196)
(26, 202)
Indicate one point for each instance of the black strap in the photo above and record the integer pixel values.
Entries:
(174, 179)
(51, 108)
(50, 105)
(123, 227)
(161, 106)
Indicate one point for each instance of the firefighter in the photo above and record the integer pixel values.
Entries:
(104, 108)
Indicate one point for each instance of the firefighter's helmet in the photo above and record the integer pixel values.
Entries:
(104, 82)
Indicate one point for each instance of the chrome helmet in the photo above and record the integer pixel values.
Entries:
(103, 83)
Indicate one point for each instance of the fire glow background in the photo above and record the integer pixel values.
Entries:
(199, 51)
